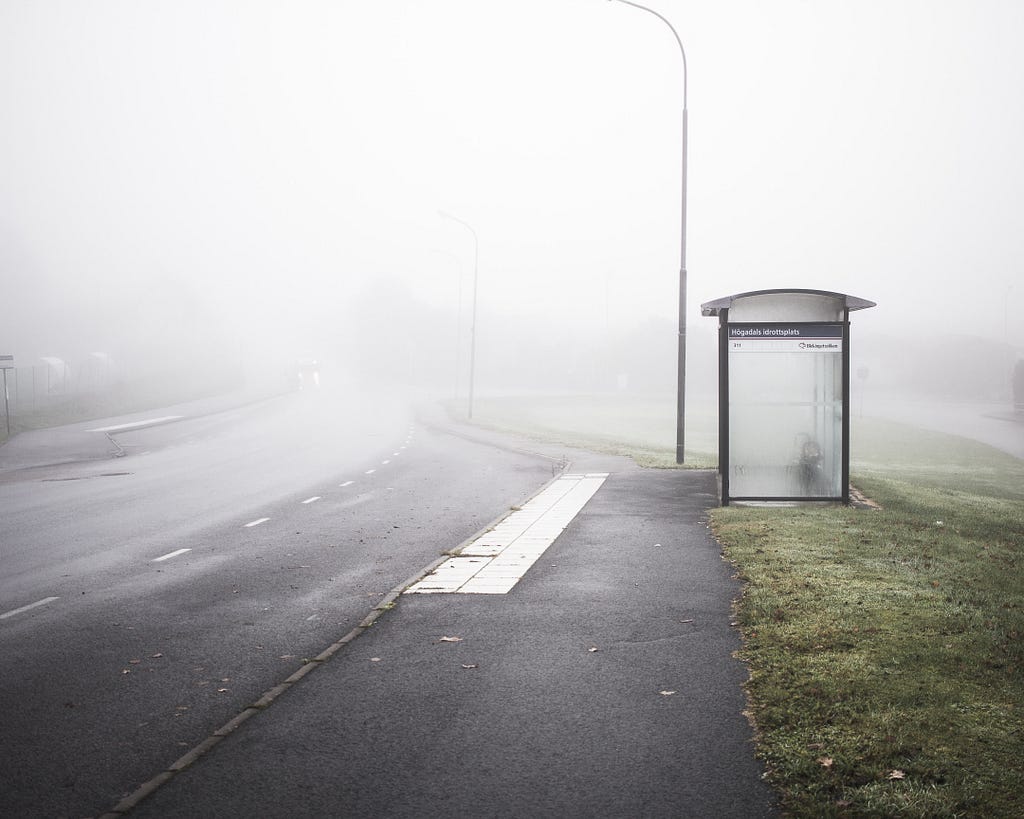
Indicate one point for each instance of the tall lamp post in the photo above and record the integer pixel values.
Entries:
(472, 325)
(681, 391)
(458, 321)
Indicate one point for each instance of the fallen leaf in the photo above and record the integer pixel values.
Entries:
(450, 640)
(221, 690)
(592, 649)
(135, 662)
(156, 656)
(825, 761)
(896, 774)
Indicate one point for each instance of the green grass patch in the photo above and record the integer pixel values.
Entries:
(886, 650)
(885, 646)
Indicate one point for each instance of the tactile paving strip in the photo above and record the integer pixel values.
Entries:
(497, 559)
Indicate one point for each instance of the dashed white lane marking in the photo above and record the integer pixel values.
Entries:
(347, 483)
(313, 499)
(370, 471)
(137, 424)
(384, 463)
(169, 555)
(256, 522)
(29, 607)
(498, 559)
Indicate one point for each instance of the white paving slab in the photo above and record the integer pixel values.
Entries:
(497, 559)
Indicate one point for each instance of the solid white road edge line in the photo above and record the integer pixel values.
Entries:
(256, 522)
(137, 424)
(29, 607)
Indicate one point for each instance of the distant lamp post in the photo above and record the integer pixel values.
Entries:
(472, 326)
(458, 321)
(681, 392)
(7, 363)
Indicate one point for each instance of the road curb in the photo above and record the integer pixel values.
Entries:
(385, 604)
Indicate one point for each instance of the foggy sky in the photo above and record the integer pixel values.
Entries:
(247, 169)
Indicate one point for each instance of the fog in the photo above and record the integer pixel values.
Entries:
(233, 185)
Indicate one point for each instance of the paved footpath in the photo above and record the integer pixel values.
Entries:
(603, 683)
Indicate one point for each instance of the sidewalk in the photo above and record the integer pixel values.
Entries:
(602, 684)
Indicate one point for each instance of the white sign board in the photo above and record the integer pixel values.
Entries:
(785, 338)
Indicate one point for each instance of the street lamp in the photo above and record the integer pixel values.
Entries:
(458, 321)
(681, 392)
(472, 326)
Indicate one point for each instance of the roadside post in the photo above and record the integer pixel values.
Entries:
(784, 394)
(7, 363)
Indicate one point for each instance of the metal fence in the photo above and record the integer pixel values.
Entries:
(53, 391)
(53, 383)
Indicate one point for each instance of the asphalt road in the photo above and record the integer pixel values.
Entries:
(146, 599)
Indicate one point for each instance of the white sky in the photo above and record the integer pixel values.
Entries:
(274, 155)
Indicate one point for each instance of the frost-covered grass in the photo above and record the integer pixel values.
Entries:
(886, 653)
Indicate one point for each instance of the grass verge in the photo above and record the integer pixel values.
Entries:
(885, 646)
(641, 428)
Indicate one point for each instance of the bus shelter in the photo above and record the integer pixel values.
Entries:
(784, 397)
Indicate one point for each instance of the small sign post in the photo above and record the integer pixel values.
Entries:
(7, 363)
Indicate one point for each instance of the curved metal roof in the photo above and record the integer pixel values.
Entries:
(713, 308)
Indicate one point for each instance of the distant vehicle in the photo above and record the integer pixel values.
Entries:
(307, 374)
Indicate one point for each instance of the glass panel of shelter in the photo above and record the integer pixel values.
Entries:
(785, 424)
